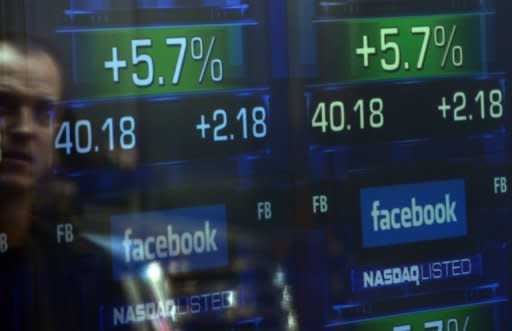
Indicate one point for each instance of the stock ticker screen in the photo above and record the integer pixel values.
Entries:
(269, 165)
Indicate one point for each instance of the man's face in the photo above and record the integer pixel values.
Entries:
(30, 86)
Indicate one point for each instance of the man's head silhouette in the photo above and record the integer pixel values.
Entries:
(30, 88)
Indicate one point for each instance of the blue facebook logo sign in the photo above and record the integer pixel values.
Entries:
(413, 212)
(180, 240)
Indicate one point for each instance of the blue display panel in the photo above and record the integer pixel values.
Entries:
(383, 85)
(185, 240)
(413, 213)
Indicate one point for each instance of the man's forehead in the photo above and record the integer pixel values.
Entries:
(8, 53)
(34, 73)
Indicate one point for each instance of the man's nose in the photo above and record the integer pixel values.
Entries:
(23, 122)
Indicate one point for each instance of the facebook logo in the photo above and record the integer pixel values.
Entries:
(181, 240)
(408, 213)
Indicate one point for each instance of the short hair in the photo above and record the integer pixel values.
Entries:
(30, 45)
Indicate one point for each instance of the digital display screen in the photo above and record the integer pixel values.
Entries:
(188, 239)
(270, 165)
(413, 212)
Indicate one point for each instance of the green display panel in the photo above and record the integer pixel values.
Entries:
(145, 61)
(402, 47)
(475, 317)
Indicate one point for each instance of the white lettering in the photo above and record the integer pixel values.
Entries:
(417, 273)
(195, 304)
(415, 215)
(172, 245)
